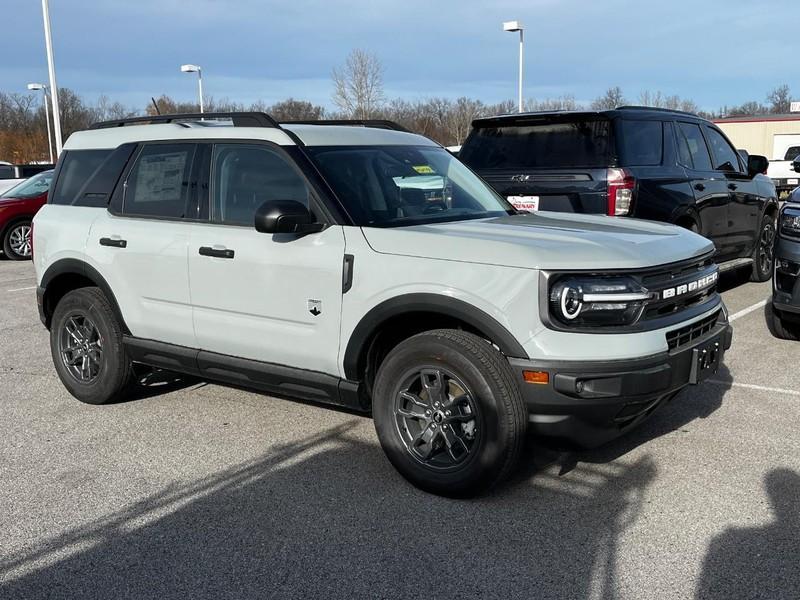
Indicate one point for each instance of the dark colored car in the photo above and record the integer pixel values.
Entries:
(637, 162)
(786, 282)
(17, 208)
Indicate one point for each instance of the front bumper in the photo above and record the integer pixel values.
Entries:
(590, 403)
(786, 279)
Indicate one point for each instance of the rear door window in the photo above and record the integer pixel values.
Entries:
(724, 156)
(77, 167)
(692, 147)
(549, 144)
(639, 143)
(158, 184)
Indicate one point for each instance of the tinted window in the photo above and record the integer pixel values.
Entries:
(158, 184)
(77, 166)
(31, 170)
(246, 176)
(725, 157)
(640, 143)
(32, 187)
(393, 186)
(792, 153)
(580, 143)
(7, 172)
(691, 144)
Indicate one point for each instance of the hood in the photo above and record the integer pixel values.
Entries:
(553, 241)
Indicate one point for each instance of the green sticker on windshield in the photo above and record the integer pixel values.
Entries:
(423, 169)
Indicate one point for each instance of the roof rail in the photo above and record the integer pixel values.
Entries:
(658, 108)
(240, 119)
(376, 123)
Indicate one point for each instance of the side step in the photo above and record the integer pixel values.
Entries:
(737, 263)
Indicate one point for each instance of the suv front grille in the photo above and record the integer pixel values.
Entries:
(680, 276)
(678, 338)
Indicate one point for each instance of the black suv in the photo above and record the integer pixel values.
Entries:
(786, 284)
(638, 162)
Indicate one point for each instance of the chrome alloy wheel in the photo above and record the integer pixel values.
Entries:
(766, 248)
(19, 239)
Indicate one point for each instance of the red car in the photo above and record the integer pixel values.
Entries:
(17, 207)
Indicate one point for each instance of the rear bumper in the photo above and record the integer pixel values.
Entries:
(590, 403)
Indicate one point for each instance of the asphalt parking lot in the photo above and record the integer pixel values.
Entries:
(203, 491)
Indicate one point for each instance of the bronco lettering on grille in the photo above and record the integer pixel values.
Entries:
(692, 286)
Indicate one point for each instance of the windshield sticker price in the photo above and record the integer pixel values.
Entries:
(423, 169)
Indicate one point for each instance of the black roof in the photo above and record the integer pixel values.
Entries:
(566, 115)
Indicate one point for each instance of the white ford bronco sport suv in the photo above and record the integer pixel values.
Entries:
(361, 265)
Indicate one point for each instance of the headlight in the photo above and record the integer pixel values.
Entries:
(790, 222)
(597, 301)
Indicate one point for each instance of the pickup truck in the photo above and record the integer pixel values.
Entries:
(780, 169)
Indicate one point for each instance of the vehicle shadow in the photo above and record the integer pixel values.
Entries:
(672, 418)
(327, 516)
(758, 562)
(733, 279)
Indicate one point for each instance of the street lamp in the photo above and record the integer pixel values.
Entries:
(51, 70)
(199, 71)
(517, 26)
(35, 87)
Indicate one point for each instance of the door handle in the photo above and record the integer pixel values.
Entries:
(732, 186)
(699, 187)
(114, 242)
(216, 252)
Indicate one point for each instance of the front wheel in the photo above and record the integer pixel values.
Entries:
(17, 241)
(448, 412)
(86, 345)
(784, 329)
(763, 252)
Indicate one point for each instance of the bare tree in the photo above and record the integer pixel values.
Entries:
(358, 85)
(611, 99)
(780, 99)
(463, 112)
(295, 110)
(566, 102)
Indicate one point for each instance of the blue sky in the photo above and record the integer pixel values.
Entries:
(713, 51)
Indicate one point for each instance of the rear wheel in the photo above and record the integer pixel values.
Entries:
(448, 413)
(86, 345)
(17, 240)
(763, 252)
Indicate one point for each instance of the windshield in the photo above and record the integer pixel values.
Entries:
(580, 142)
(393, 186)
(30, 188)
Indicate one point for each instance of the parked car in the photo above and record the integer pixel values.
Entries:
(636, 162)
(786, 282)
(286, 258)
(780, 168)
(12, 175)
(17, 209)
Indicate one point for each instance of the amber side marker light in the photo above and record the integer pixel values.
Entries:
(541, 377)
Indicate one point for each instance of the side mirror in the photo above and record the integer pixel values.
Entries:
(285, 216)
(757, 164)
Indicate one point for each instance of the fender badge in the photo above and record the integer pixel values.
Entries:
(315, 307)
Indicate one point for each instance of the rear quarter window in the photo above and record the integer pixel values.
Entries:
(77, 167)
(640, 143)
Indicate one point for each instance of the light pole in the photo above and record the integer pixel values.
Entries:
(36, 87)
(199, 71)
(517, 26)
(51, 70)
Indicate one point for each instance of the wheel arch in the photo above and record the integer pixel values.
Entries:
(404, 316)
(69, 274)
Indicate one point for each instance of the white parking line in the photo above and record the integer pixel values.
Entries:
(760, 388)
(33, 287)
(748, 310)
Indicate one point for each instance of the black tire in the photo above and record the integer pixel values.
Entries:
(763, 253)
(96, 341)
(491, 409)
(782, 328)
(14, 246)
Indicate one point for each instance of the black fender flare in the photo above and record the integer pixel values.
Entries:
(67, 266)
(371, 322)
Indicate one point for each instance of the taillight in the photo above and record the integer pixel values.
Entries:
(620, 192)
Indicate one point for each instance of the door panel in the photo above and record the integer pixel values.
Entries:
(277, 299)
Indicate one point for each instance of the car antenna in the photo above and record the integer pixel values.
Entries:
(155, 105)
